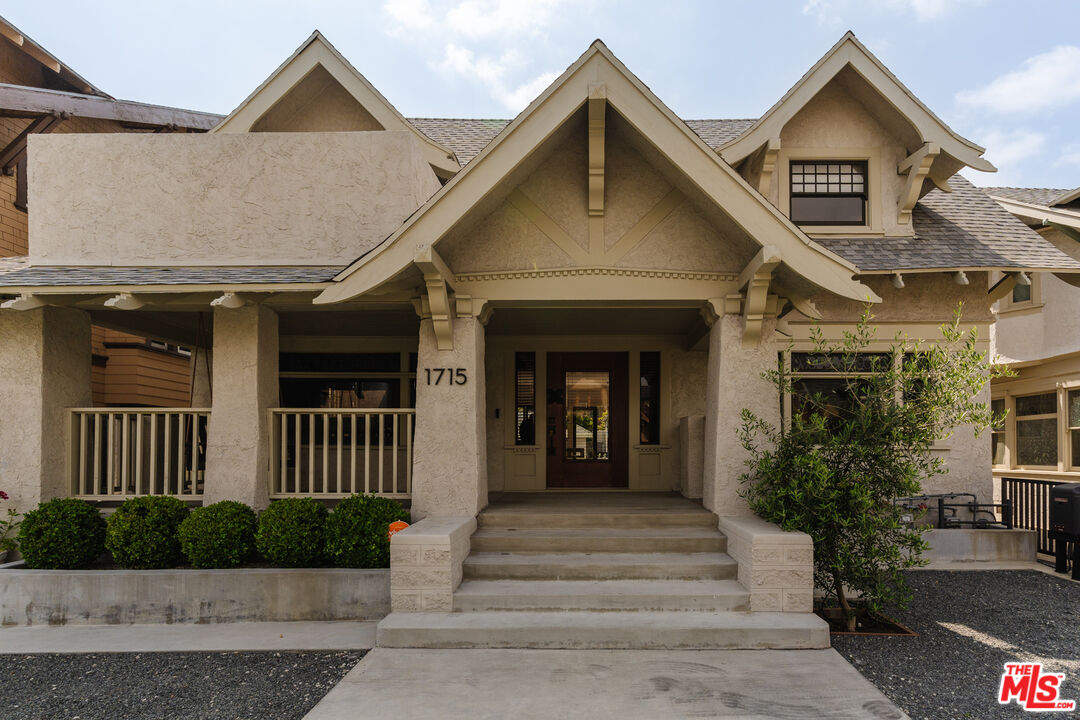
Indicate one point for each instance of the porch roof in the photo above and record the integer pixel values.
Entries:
(18, 273)
(961, 230)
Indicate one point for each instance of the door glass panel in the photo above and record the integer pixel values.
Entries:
(587, 414)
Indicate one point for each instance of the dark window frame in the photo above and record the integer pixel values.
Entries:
(863, 194)
(649, 405)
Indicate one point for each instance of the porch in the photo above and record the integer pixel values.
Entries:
(295, 402)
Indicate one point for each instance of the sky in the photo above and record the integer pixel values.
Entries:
(1003, 73)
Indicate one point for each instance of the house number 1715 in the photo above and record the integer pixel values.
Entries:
(446, 376)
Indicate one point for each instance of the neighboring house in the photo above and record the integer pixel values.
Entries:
(1037, 334)
(584, 297)
(40, 94)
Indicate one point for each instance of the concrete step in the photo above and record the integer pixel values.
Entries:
(599, 566)
(615, 540)
(607, 630)
(641, 595)
(677, 517)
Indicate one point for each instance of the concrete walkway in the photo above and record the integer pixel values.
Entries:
(625, 684)
(223, 637)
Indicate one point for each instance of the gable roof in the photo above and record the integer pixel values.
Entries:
(468, 136)
(40, 55)
(1033, 196)
(960, 230)
(651, 117)
(850, 52)
(317, 51)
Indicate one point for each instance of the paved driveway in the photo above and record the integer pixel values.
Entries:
(625, 684)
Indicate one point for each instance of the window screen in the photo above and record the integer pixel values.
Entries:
(525, 398)
(828, 193)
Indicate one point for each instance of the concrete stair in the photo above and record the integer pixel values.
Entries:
(600, 571)
(599, 566)
(604, 630)
(708, 595)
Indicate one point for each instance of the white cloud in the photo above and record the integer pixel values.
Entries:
(1011, 151)
(1044, 81)
(833, 12)
(1007, 148)
(1070, 155)
(485, 41)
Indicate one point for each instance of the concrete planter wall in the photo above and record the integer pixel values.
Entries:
(977, 545)
(97, 597)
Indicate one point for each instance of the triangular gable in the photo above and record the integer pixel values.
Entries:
(643, 110)
(850, 52)
(317, 52)
(1066, 198)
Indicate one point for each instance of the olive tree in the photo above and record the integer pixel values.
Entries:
(833, 469)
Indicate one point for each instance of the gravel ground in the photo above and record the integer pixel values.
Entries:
(156, 686)
(945, 674)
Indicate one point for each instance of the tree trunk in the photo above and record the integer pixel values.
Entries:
(849, 614)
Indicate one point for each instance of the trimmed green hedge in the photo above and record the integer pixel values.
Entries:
(142, 533)
(356, 531)
(292, 533)
(221, 535)
(62, 534)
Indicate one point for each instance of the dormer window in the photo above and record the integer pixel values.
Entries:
(828, 193)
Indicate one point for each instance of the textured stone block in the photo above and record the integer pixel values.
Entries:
(767, 601)
(404, 554)
(798, 601)
(771, 555)
(770, 577)
(405, 601)
(435, 555)
(799, 555)
(420, 577)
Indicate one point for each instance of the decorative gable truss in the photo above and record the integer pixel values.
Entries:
(595, 80)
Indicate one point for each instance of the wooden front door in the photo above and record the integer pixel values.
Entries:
(587, 419)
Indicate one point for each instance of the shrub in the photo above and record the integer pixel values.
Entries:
(292, 533)
(62, 534)
(356, 531)
(142, 533)
(221, 535)
(835, 470)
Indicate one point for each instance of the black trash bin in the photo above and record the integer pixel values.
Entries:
(1065, 525)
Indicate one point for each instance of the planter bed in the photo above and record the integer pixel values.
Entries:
(113, 596)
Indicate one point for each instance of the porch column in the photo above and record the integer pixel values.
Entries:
(450, 451)
(245, 371)
(734, 382)
(44, 369)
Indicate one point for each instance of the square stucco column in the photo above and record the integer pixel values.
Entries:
(245, 357)
(734, 382)
(44, 370)
(450, 451)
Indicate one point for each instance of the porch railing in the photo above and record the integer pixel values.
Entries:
(117, 453)
(1031, 507)
(337, 452)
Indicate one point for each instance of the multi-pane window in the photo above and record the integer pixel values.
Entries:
(649, 403)
(997, 432)
(525, 398)
(829, 384)
(828, 192)
(347, 381)
(1073, 405)
(1036, 430)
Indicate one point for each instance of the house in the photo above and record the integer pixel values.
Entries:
(472, 314)
(1035, 335)
(40, 94)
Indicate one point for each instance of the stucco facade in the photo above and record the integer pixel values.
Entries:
(587, 303)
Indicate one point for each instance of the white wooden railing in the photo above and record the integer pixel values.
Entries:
(118, 453)
(337, 452)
